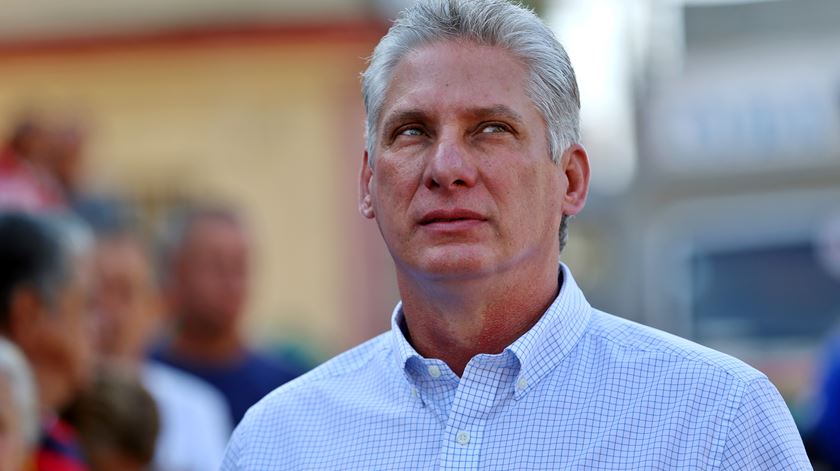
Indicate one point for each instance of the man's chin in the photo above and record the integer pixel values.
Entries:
(455, 264)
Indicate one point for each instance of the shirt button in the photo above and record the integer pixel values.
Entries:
(521, 384)
(413, 392)
(462, 438)
(434, 371)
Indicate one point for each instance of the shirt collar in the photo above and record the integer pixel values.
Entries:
(402, 348)
(539, 350)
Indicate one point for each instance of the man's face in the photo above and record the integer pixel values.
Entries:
(125, 298)
(211, 276)
(463, 184)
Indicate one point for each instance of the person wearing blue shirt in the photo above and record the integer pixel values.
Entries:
(823, 431)
(495, 360)
(206, 252)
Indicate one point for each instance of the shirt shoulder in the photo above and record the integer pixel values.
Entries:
(345, 372)
(735, 413)
(656, 345)
(278, 428)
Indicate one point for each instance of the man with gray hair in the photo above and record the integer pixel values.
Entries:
(495, 360)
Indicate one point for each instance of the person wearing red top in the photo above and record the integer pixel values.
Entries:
(59, 450)
(26, 182)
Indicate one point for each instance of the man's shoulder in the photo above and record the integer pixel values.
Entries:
(316, 404)
(638, 342)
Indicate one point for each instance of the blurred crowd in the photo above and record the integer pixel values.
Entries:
(118, 350)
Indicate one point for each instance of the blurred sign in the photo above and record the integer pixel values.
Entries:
(773, 292)
(828, 244)
(744, 112)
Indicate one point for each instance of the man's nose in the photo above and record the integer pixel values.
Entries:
(450, 166)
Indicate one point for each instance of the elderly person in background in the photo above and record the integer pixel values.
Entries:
(18, 409)
(495, 360)
(44, 310)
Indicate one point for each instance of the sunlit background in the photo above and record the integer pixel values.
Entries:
(713, 129)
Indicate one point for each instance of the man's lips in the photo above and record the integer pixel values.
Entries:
(451, 218)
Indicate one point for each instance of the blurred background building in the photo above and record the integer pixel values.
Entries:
(713, 129)
(717, 126)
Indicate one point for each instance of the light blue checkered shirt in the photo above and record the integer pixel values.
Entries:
(581, 390)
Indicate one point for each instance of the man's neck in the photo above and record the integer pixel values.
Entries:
(456, 321)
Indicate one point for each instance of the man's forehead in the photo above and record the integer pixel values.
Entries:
(466, 77)
(448, 59)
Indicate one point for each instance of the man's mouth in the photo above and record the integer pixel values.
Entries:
(451, 217)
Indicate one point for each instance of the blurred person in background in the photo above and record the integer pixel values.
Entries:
(206, 252)
(118, 422)
(44, 310)
(18, 409)
(822, 432)
(495, 359)
(66, 158)
(65, 163)
(26, 178)
(194, 420)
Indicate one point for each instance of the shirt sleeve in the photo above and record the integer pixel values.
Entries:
(230, 462)
(762, 434)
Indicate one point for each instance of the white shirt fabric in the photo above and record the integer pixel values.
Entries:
(194, 423)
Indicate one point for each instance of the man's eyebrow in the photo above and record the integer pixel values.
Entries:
(497, 111)
(403, 116)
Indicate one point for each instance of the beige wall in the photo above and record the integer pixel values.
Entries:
(273, 125)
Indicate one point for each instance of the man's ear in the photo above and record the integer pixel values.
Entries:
(575, 166)
(25, 311)
(365, 200)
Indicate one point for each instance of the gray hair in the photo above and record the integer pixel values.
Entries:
(552, 85)
(75, 236)
(15, 375)
(74, 240)
(37, 250)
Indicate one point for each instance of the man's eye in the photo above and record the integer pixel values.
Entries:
(493, 128)
(411, 132)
